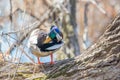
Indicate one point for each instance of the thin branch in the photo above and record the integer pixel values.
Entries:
(98, 6)
(27, 55)
(85, 34)
(94, 2)
(17, 66)
(1, 51)
(11, 18)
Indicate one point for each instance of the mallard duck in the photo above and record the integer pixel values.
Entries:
(43, 44)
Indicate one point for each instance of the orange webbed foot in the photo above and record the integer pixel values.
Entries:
(51, 57)
(39, 61)
(52, 62)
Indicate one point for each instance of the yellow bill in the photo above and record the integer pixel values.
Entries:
(47, 40)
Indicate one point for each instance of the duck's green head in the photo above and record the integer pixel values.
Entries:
(55, 33)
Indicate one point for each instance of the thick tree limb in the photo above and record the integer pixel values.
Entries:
(101, 61)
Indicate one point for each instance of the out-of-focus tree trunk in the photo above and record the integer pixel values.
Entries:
(85, 34)
(74, 38)
(71, 31)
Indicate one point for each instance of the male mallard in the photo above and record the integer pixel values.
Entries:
(43, 44)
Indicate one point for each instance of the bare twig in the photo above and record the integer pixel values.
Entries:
(27, 55)
(85, 34)
(2, 57)
(98, 6)
(94, 2)
(17, 66)
(11, 19)
(21, 50)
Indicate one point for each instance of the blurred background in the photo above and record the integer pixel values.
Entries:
(81, 21)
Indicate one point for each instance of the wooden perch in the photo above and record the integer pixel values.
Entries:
(99, 62)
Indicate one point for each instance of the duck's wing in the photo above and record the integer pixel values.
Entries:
(56, 46)
(37, 37)
(51, 46)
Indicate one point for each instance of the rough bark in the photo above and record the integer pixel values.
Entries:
(99, 62)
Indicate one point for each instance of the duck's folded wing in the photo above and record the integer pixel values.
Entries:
(36, 37)
(33, 37)
(56, 46)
